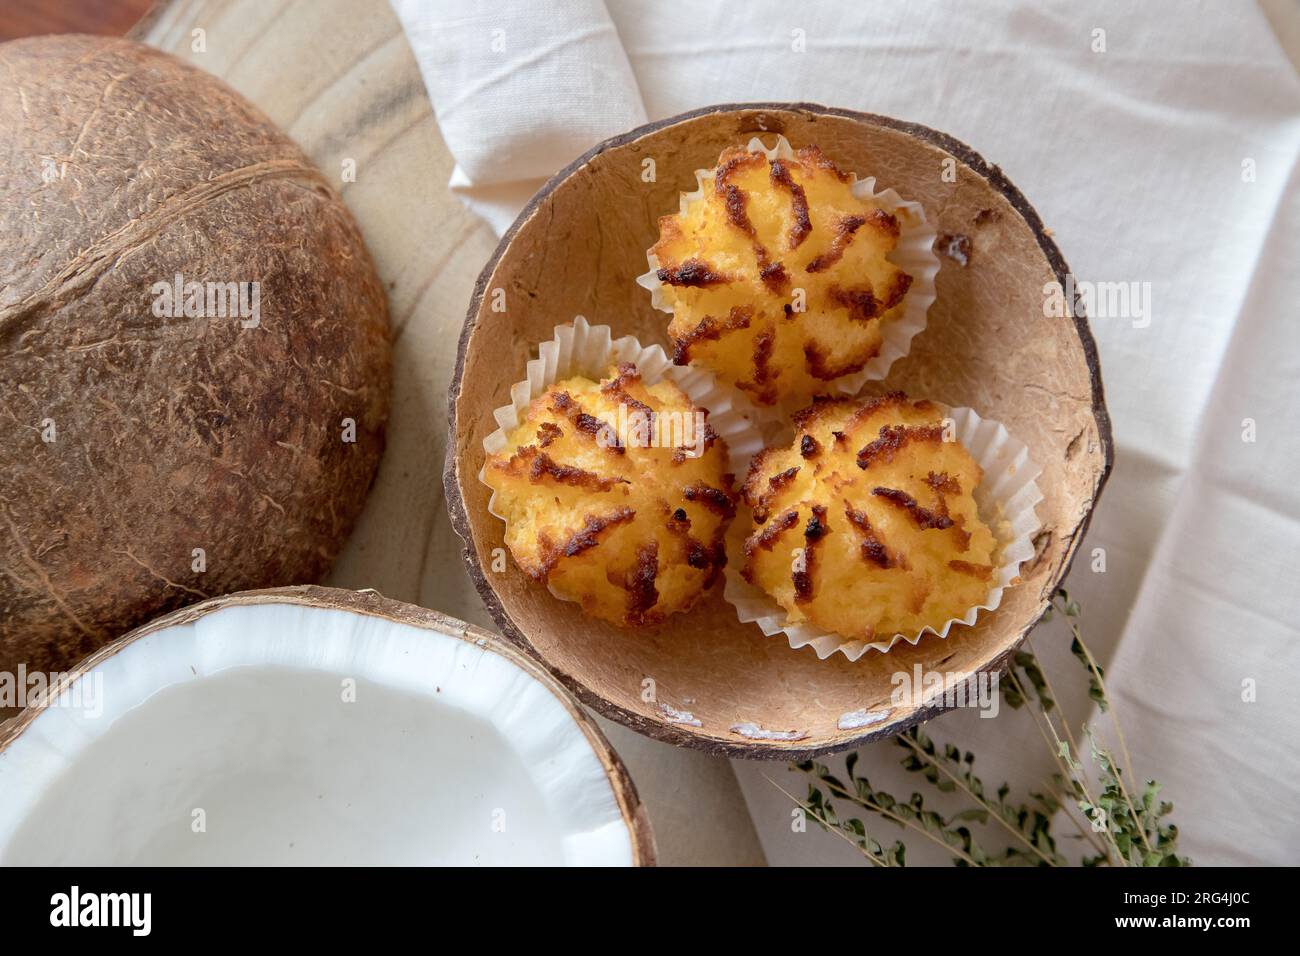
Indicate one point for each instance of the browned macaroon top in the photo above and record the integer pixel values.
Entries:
(777, 275)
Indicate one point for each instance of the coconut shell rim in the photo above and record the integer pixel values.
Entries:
(683, 735)
(373, 604)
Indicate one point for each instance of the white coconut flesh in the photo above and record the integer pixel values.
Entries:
(284, 734)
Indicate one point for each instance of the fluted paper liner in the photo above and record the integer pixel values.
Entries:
(1006, 499)
(914, 254)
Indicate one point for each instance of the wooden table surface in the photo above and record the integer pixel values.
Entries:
(25, 18)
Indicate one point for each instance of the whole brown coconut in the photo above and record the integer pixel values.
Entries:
(151, 456)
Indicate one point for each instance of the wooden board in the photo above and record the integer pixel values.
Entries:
(339, 77)
(29, 18)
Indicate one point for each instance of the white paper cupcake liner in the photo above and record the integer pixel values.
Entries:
(1006, 499)
(914, 254)
(589, 350)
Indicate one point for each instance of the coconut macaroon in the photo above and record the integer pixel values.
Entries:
(777, 275)
(617, 495)
(866, 525)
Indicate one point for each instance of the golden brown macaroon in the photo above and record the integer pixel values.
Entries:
(866, 525)
(617, 495)
(777, 278)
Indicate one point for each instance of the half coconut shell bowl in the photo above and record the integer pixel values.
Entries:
(577, 250)
(309, 725)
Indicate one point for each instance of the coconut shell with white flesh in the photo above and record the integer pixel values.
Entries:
(715, 683)
(313, 726)
(157, 448)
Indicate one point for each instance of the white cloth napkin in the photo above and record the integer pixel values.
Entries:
(520, 90)
(1160, 142)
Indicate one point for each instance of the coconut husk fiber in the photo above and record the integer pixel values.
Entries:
(147, 462)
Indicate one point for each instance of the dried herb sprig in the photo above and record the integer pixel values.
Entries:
(1122, 831)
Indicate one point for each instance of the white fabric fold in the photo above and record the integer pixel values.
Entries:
(520, 90)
